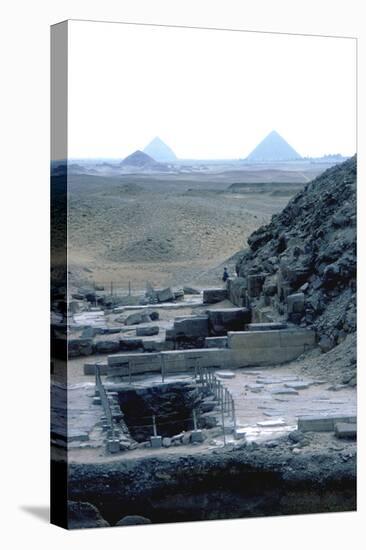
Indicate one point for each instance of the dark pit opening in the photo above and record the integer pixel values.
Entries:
(171, 403)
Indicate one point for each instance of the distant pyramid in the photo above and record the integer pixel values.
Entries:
(160, 151)
(141, 161)
(273, 148)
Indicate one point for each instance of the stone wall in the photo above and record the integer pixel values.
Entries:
(248, 348)
(237, 291)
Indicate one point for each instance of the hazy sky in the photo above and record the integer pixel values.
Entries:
(207, 94)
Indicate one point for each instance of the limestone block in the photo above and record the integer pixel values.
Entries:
(137, 318)
(323, 423)
(216, 342)
(156, 441)
(80, 346)
(297, 337)
(255, 284)
(237, 291)
(225, 374)
(158, 345)
(190, 290)
(165, 295)
(222, 320)
(118, 365)
(296, 303)
(197, 436)
(260, 339)
(89, 368)
(266, 326)
(346, 430)
(214, 295)
(107, 346)
(147, 331)
(270, 285)
(191, 327)
(130, 344)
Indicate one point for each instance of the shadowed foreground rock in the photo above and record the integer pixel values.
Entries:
(133, 520)
(83, 515)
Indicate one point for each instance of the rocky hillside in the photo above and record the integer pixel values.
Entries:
(309, 250)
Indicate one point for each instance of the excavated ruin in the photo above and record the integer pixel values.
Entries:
(171, 404)
(299, 269)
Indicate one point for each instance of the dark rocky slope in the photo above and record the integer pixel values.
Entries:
(309, 249)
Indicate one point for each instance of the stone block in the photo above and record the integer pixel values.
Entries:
(107, 346)
(89, 369)
(113, 445)
(130, 344)
(184, 360)
(225, 374)
(75, 306)
(191, 327)
(297, 385)
(255, 388)
(190, 290)
(221, 321)
(242, 357)
(137, 318)
(295, 318)
(297, 337)
(165, 295)
(118, 365)
(214, 295)
(80, 346)
(179, 294)
(156, 441)
(197, 436)
(216, 342)
(110, 330)
(255, 284)
(270, 285)
(186, 439)
(237, 291)
(153, 346)
(295, 303)
(240, 433)
(90, 332)
(248, 339)
(271, 423)
(76, 435)
(323, 423)
(284, 391)
(266, 326)
(167, 441)
(147, 331)
(346, 430)
(170, 334)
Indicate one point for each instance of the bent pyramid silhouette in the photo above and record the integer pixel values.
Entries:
(160, 151)
(273, 147)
